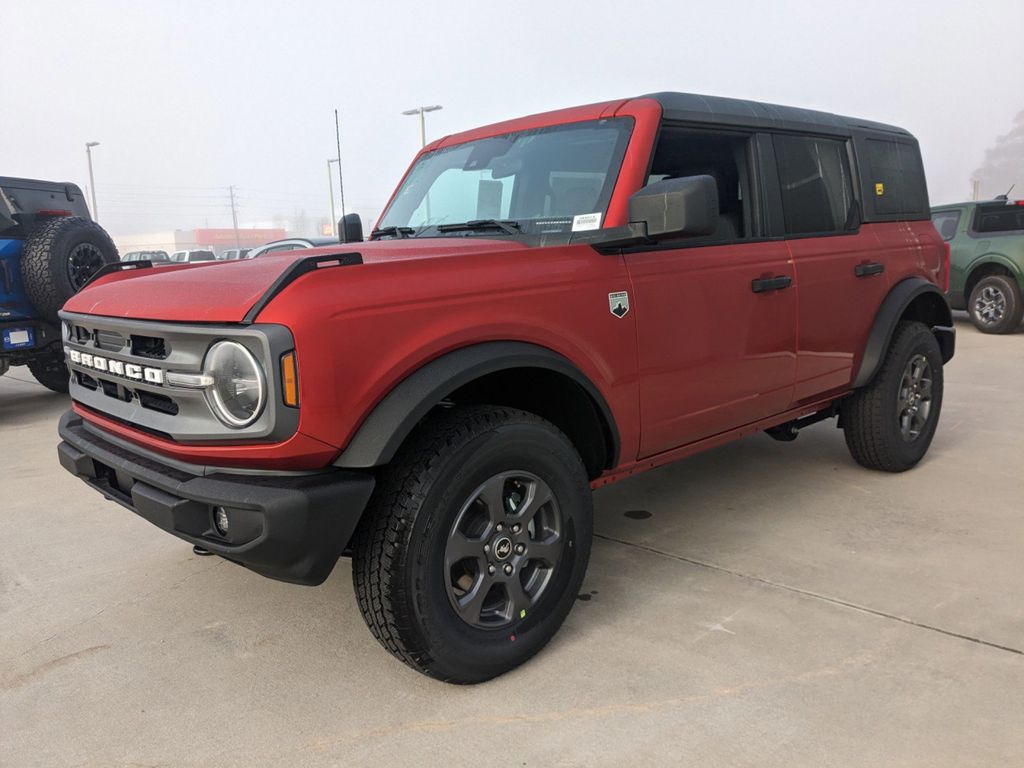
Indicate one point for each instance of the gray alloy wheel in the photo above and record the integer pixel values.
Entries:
(995, 304)
(475, 542)
(890, 422)
(990, 305)
(915, 397)
(503, 549)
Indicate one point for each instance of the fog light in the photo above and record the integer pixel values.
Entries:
(221, 521)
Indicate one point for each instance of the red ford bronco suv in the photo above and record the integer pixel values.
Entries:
(547, 305)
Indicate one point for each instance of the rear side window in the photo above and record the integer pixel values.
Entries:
(897, 177)
(945, 223)
(1003, 218)
(817, 189)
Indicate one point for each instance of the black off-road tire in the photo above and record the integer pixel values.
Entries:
(398, 568)
(871, 416)
(50, 371)
(58, 259)
(1003, 289)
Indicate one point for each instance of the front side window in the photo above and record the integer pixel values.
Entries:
(725, 157)
(535, 182)
(817, 189)
(945, 223)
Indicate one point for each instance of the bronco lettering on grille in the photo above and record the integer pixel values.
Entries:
(116, 367)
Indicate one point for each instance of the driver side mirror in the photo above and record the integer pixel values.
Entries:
(684, 207)
(350, 228)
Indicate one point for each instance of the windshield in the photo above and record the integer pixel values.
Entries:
(545, 180)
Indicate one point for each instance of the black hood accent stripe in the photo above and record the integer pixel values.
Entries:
(296, 270)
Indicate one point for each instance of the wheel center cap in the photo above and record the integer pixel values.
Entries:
(503, 548)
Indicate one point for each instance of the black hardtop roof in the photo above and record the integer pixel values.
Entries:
(14, 182)
(695, 108)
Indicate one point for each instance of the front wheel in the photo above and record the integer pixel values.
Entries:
(889, 423)
(475, 543)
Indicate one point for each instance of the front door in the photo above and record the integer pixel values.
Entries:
(717, 315)
(713, 353)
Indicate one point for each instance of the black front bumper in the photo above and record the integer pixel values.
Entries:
(285, 526)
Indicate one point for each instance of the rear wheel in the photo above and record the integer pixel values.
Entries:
(475, 543)
(49, 370)
(889, 423)
(995, 305)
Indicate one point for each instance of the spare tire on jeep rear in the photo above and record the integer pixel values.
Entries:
(59, 258)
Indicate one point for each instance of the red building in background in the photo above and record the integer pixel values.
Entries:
(219, 240)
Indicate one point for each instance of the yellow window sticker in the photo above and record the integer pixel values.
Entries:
(879, 188)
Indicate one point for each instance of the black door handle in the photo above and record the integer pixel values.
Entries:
(868, 269)
(771, 283)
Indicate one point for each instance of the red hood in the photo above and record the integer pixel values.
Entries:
(222, 292)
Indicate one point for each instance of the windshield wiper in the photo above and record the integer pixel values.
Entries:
(508, 226)
(398, 232)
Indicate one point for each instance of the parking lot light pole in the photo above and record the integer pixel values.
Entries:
(92, 183)
(421, 111)
(330, 186)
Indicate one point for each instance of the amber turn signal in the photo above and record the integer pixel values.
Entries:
(289, 380)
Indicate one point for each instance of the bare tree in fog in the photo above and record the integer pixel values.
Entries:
(1004, 162)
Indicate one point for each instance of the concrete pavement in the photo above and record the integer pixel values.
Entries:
(762, 604)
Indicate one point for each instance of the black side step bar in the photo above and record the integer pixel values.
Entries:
(788, 431)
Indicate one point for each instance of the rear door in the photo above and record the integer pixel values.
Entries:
(839, 265)
(716, 342)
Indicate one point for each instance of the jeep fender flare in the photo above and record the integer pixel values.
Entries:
(383, 431)
(894, 306)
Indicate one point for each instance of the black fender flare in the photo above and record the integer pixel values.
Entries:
(893, 306)
(392, 420)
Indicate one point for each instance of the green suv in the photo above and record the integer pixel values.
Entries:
(986, 276)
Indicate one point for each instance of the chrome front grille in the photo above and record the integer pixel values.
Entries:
(119, 368)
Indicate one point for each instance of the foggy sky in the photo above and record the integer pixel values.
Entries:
(1004, 161)
(190, 96)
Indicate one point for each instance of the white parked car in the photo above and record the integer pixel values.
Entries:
(233, 254)
(193, 256)
(291, 244)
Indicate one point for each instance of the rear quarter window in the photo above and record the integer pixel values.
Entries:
(895, 178)
(1003, 218)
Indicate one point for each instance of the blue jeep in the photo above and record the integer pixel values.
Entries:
(49, 249)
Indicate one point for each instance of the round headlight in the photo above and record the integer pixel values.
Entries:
(239, 388)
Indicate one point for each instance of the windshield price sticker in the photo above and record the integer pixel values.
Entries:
(585, 221)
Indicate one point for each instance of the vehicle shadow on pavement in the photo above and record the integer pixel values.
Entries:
(23, 401)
